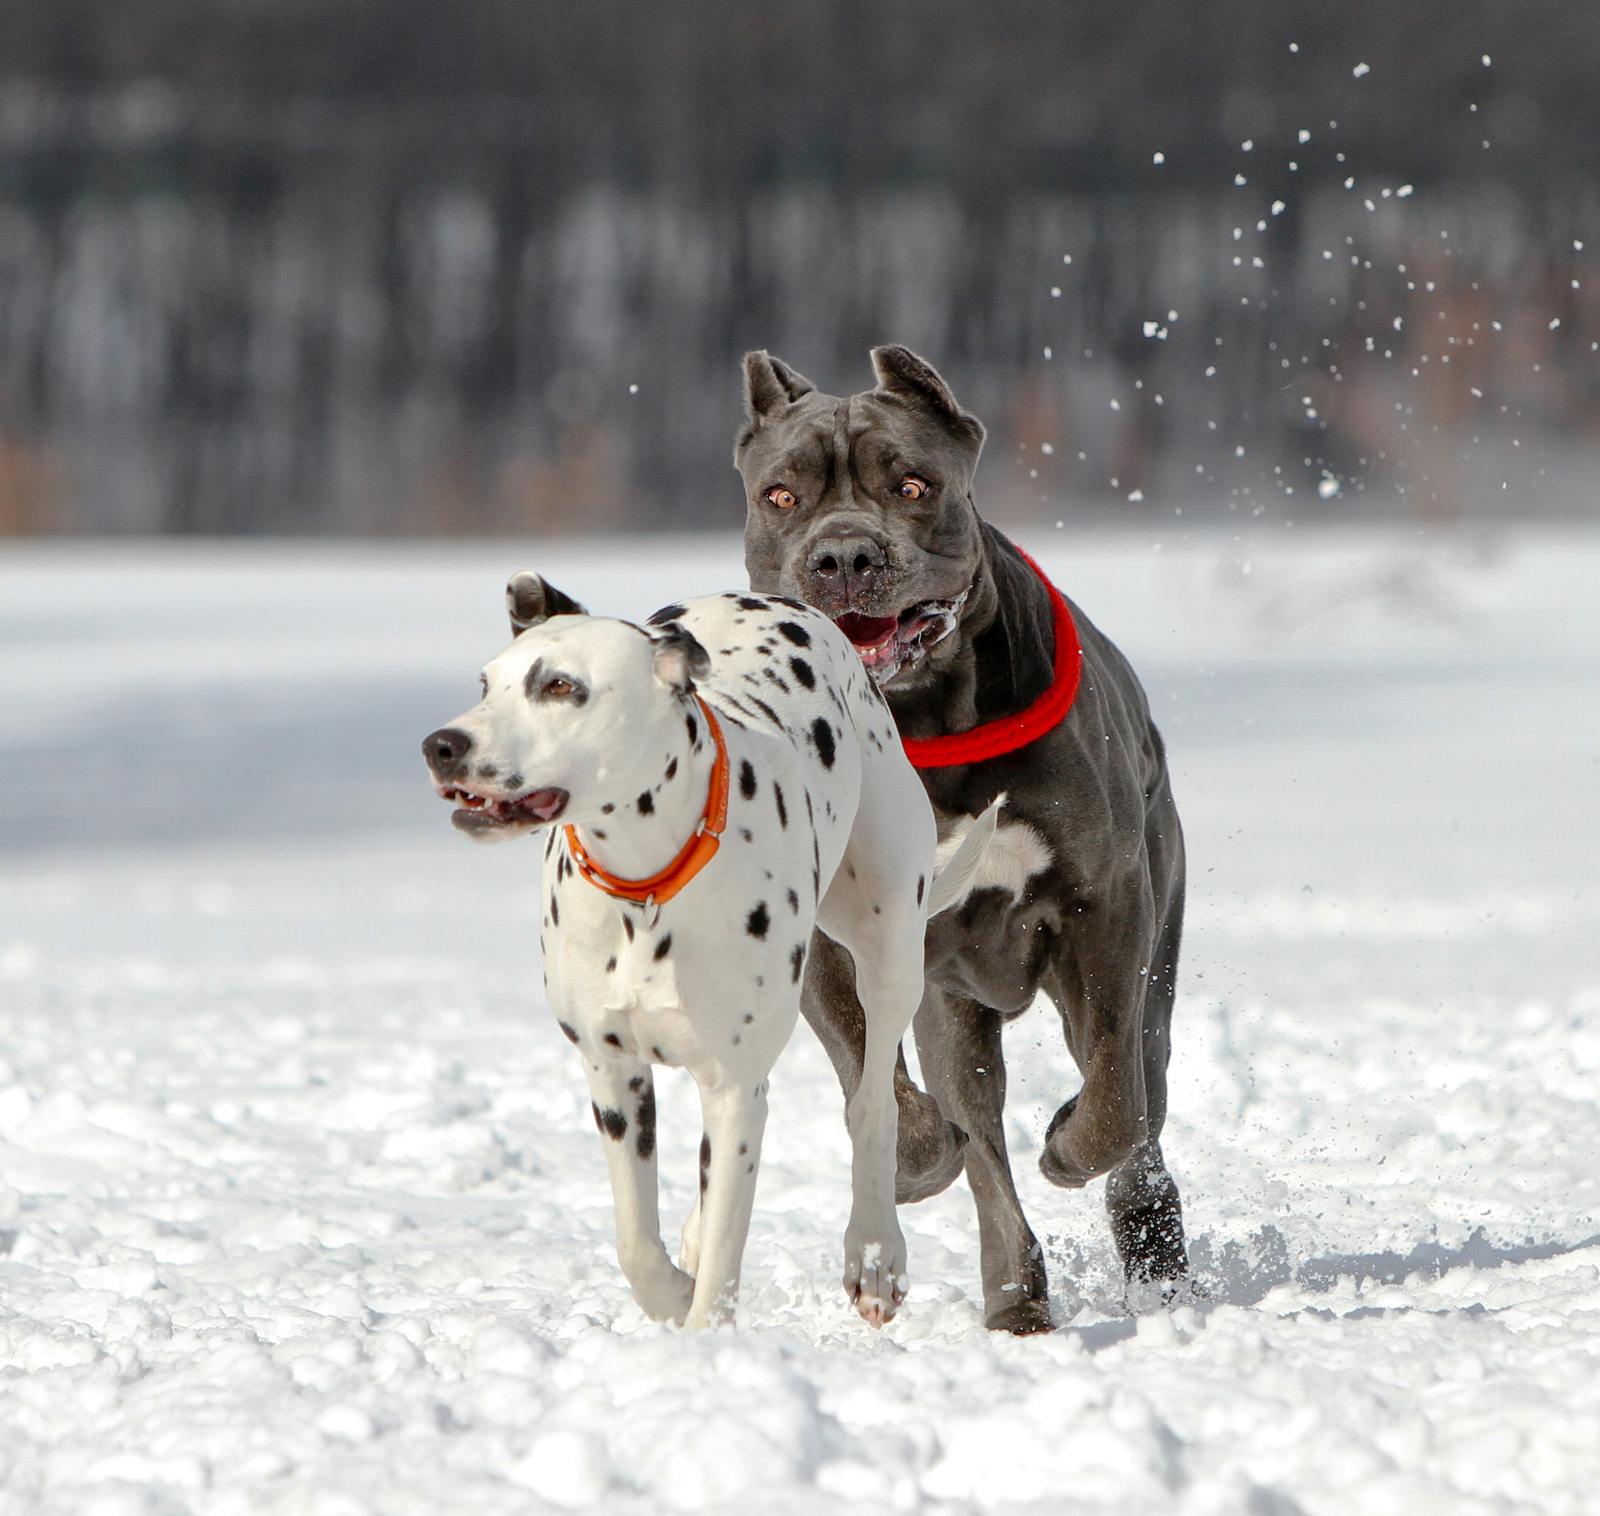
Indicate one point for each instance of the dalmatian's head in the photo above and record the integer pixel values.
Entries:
(574, 717)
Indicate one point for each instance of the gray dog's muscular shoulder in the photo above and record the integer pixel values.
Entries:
(863, 507)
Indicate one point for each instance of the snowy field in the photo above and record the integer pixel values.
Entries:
(302, 1209)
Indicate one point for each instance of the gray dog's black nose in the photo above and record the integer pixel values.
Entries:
(847, 565)
(446, 751)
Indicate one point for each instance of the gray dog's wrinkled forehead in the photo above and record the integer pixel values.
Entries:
(910, 413)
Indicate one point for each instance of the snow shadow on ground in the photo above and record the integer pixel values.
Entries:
(1244, 1274)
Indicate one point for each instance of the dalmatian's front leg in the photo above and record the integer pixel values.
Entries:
(735, 1116)
(875, 1273)
(624, 1097)
(875, 908)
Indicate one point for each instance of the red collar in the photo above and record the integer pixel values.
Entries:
(697, 852)
(995, 738)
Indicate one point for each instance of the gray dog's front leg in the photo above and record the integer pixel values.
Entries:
(928, 1148)
(958, 1042)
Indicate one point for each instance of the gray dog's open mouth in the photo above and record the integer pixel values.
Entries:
(888, 644)
(484, 813)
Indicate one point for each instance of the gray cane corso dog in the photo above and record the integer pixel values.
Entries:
(863, 508)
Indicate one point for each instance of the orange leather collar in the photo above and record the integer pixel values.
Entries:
(697, 852)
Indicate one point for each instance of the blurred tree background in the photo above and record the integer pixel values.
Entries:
(386, 266)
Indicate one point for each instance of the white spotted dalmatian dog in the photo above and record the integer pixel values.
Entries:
(711, 785)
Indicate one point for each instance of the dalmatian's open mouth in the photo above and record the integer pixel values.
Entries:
(888, 644)
(485, 813)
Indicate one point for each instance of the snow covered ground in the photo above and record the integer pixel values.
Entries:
(302, 1210)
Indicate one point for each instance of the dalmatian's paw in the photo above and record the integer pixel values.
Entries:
(875, 1276)
(666, 1298)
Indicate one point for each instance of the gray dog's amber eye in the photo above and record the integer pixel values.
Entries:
(782, 498)
(913, 488)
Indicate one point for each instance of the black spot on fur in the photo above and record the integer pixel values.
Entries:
(607, 808)
(783, 810)
(663, 948)
(613, 1039)
(636, 1083)
(747, 834)
(794, 902)
(514, 781)
(555, 912)
(644, 1144)
(797, 961)
(747, 779)
(613, 1123)
(757, 922)
(748, 1018)
(705, 1161)
(744, 1147)
(627, 926)
(747, 604)
(570, 1032)
(694, 728)
(646, 803)
(802, 671)
(660, 1057)
(667, 613)
(672, 769)
(796, 633)
(611, 965)
(767, 711)
(822, 736)
(921, 885)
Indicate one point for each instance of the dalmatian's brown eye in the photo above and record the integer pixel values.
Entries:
(782, 498)
(558, 689)
(913, 488)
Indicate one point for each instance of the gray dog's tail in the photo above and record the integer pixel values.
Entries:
(960, 853)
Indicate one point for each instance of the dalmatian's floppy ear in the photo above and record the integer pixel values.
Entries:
(680, 659)
(530, 600)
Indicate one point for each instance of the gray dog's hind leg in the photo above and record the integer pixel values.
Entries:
(928, 1148)
(958, 1042)
(1141, 1198)
(1146, 1214)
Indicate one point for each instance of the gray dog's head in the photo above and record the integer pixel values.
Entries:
(863, 506)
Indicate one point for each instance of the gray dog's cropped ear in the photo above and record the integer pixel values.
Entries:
(680, 659)
(529, 600)
(902, 374)
(770, 384)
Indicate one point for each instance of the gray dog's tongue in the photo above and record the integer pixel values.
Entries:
(887, 644)
(875, 638)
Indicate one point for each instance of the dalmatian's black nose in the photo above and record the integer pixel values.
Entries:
(446, 751)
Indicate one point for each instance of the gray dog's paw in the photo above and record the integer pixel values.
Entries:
(929, 1156)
